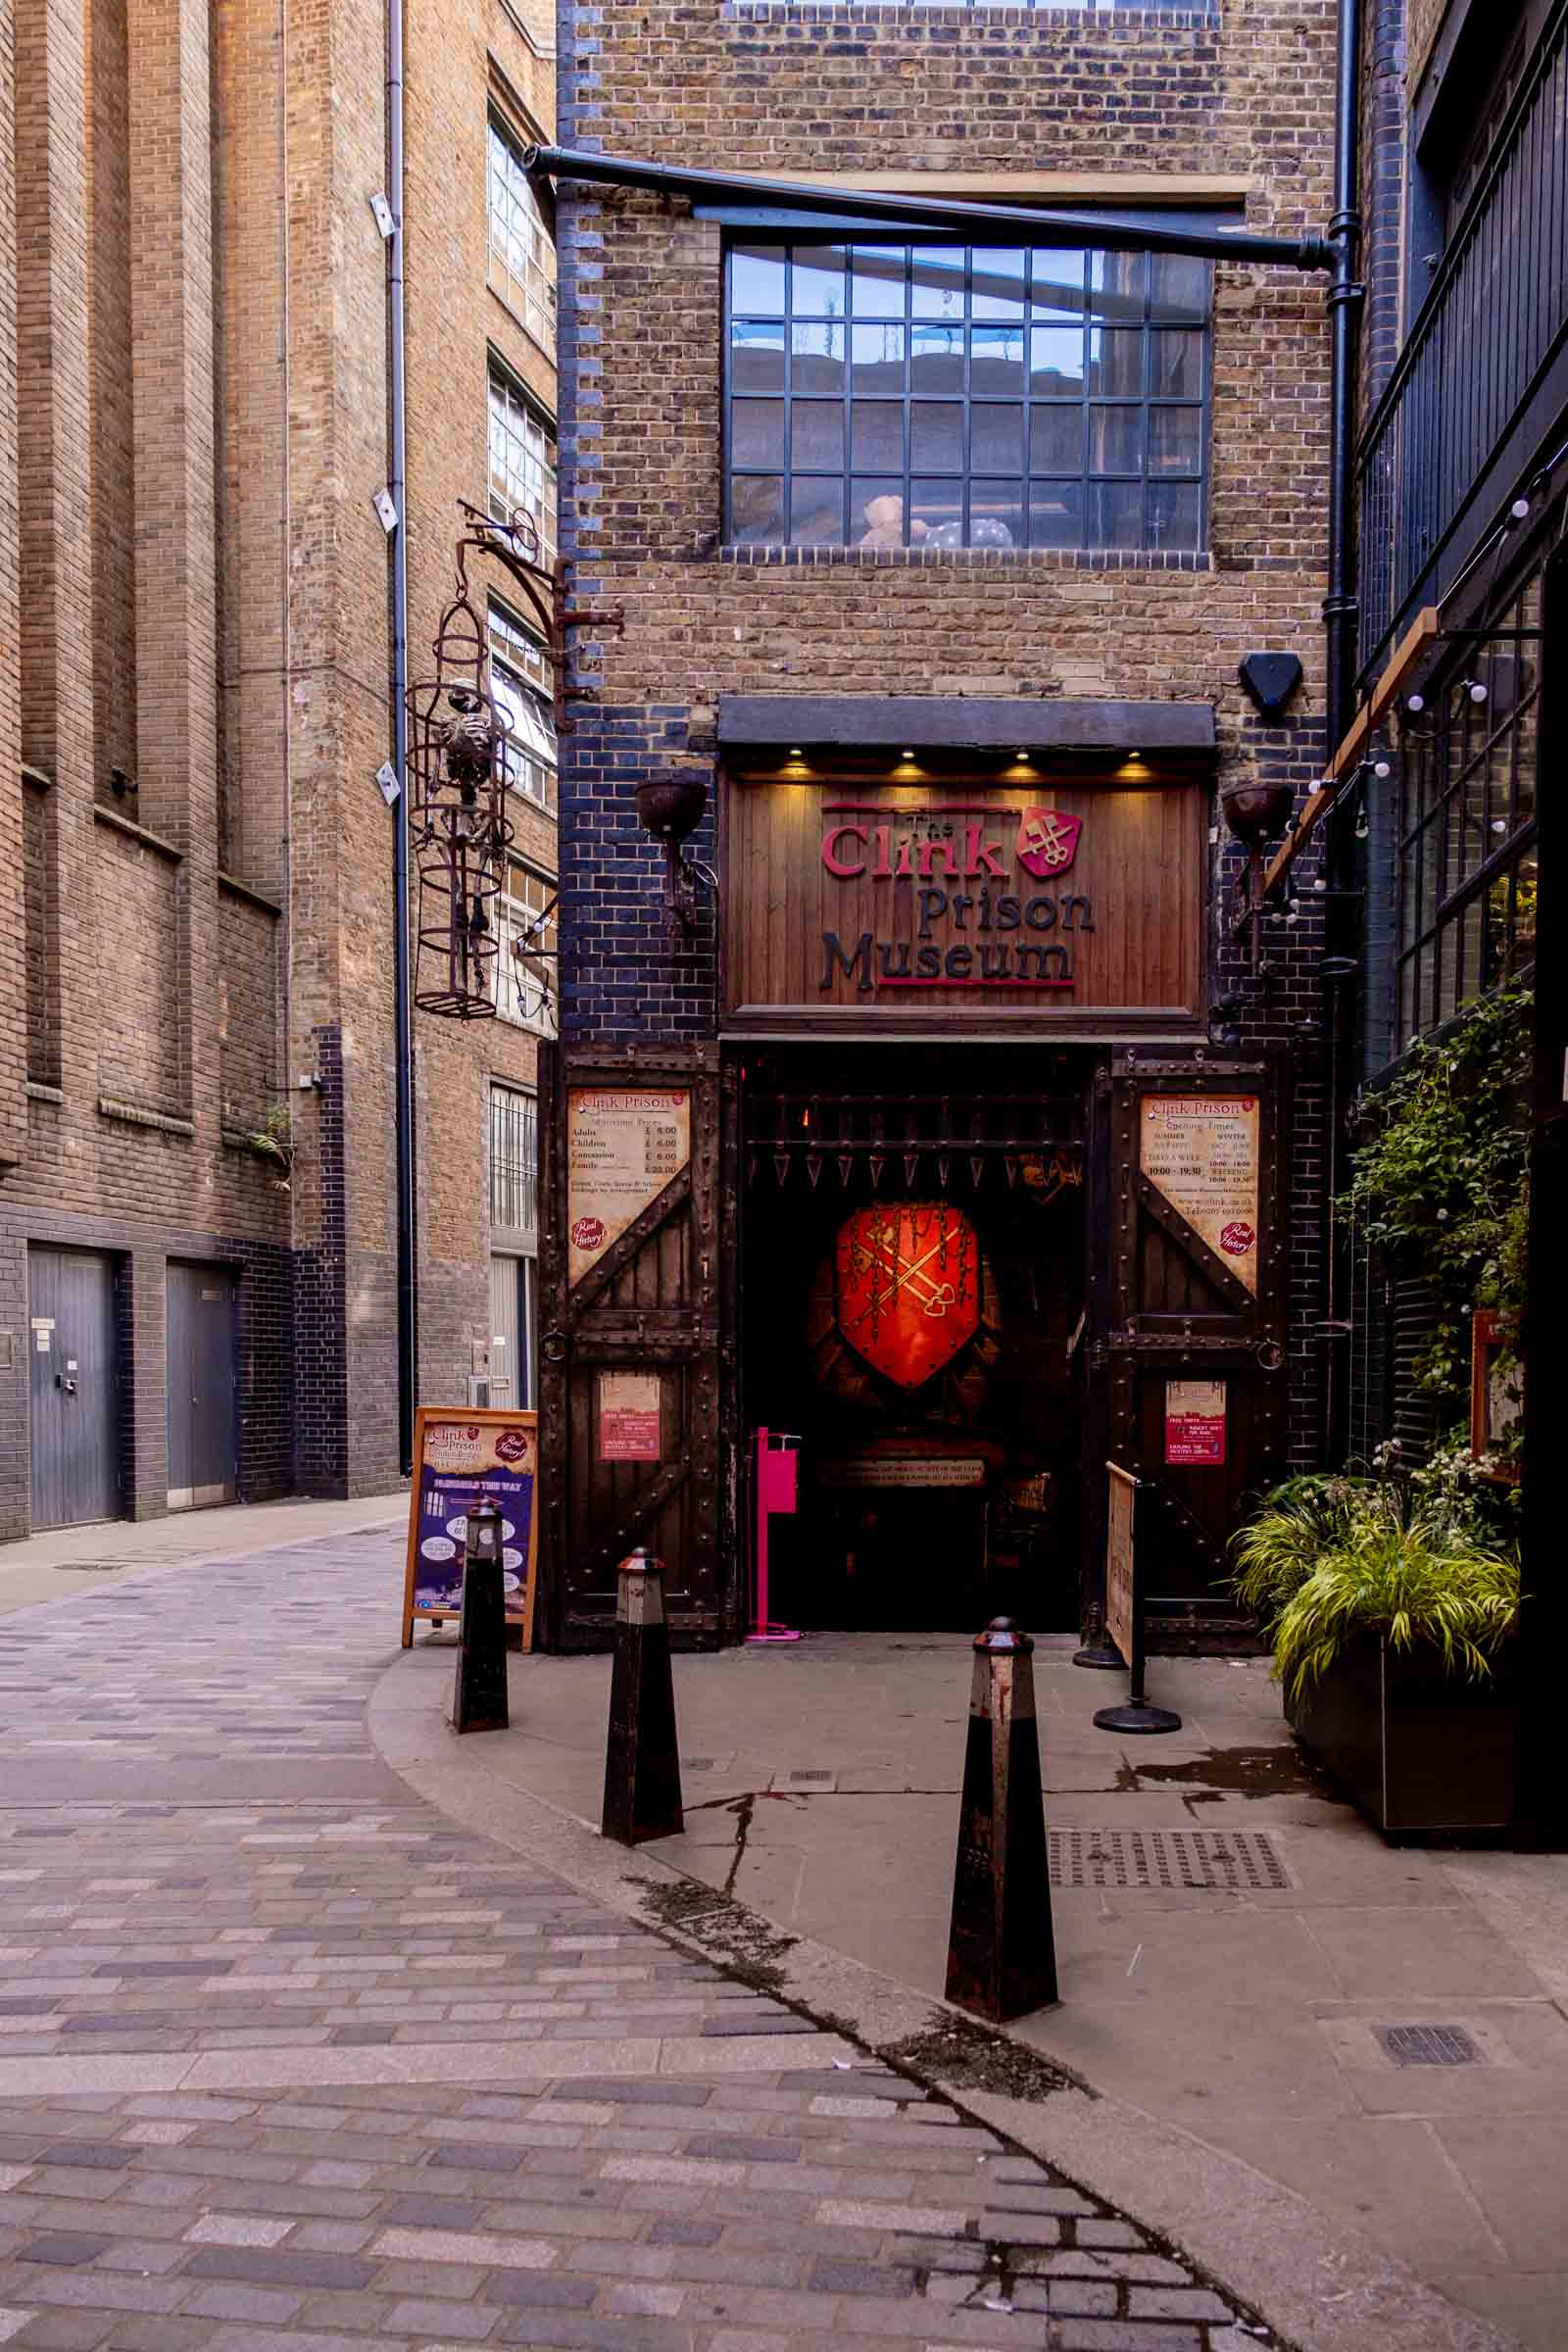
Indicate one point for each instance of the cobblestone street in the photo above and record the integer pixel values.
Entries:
(290, 2059)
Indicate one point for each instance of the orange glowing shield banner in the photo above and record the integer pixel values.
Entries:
(908, 1282)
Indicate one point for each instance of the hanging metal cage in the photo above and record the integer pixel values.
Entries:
(459, 828)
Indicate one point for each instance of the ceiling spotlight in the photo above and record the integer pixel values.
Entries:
(909, 752)
(796, 753)
(1023, 751)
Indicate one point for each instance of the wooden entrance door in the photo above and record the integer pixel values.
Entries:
(1188, 1360)
(644, 1327)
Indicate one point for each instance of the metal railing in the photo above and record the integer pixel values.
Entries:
(1490, 327)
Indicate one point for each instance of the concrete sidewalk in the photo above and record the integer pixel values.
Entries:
(67, 1559)
(1235, 1944)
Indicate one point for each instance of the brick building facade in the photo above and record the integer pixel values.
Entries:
(689, 343)
(196, 1015)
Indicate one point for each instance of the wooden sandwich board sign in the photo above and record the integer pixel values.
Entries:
(462, 1456)
(1124, 1607)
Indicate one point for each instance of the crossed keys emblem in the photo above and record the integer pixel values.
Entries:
(899, 1305)
(881, 1260)
(1047, 841)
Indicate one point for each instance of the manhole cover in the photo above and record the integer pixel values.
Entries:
(1227, 1860)
(1428, 2045)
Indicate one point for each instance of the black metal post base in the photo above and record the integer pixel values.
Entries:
(1001, 1957)
(1103, 1654)
(642, 1760)
(479, 1691)
(1137, 1719)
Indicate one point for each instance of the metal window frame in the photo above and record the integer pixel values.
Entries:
(502, 239)
(545, 509)
(1443, 904)
(512, 915)
(535, 702)
(1085, 482)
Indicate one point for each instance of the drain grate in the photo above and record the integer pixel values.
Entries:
(1226, 1860)
(1428, 2045)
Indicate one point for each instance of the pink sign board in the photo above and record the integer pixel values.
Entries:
(1195, 1423)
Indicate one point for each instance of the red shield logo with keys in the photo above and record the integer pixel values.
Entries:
(1047, 842)
(907, 1285)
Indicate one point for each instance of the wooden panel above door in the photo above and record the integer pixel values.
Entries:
(1063, 896)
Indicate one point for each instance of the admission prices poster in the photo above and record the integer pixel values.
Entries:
(623, 1145)
(461, 1458)
(1202, 1153)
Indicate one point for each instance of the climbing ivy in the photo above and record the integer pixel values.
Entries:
(1440, 1180)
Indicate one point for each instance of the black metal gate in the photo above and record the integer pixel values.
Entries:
(74, 1388)
(202, 1373)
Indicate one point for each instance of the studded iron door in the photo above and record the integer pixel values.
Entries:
(635, 1405)
(1187, 1362)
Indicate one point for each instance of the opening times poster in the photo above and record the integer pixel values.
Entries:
(460, 1460)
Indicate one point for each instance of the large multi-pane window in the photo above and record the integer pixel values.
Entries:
(525, 949)
(947, 396)
(522, 257)
(519, 680)
(522, 456)
(1467, 846)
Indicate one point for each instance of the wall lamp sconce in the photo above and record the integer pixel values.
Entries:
(671, 808)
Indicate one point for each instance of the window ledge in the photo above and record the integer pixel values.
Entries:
(149, 841)
(36, 1091)
(977, 558)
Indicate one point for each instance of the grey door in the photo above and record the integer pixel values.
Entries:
(203, 1422)
(75, 1387)
(511, 1332)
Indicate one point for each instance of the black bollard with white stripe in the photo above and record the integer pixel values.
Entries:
(1002, 1953)
(480, 1693)
(642, 1763)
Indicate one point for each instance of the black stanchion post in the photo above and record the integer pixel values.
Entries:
(1002, 1954)
(480, 1693)
(642, 1763)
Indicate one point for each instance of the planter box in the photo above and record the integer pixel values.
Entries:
(1425, 1754)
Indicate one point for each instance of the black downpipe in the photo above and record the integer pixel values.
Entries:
(1340, 620)
(402, 1008)
(1045, 227)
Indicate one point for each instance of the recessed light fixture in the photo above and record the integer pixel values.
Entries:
(909, 752)
(796, 753)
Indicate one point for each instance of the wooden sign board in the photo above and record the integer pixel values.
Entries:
(623, 1145)
(1048, 896)
(1121, 1566)
(1202, 1153)
(462, 1457)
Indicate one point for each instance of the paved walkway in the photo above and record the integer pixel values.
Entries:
(289, 2058)
(1240, 1957)
(61, 1561)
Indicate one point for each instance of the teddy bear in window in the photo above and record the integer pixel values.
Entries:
(886, 517)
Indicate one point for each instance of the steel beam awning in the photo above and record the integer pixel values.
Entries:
(966, 722)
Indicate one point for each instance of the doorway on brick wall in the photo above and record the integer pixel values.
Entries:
(913, 1299)
(74, 1395)
(203, 1373)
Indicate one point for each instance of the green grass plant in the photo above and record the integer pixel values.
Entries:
(1329, 1558)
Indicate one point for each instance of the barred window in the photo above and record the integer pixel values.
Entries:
(526, 939)
(522, 256)
(513, 1160)
(944, 395)
(1467, 846)
(522, 456)
(519, 680)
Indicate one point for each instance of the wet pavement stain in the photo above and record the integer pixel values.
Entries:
(1222, 1772)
